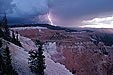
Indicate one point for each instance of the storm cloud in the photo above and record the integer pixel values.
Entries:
(23, 9)
(74, 11)
(63, 12)
(6, 5)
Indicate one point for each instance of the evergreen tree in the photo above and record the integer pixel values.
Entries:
(0, 43)
(4, 30)
(13, 35)
(15, 39)
(73, 71)
(1, 33)
(37, 43)
(1, 64)
(6, 65)
(37, 61)
(17, 36)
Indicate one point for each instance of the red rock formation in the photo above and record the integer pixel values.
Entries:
(75, 51)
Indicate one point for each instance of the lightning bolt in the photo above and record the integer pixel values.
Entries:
(49, 18)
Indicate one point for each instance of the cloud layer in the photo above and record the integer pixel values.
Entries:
(6, 5)
(76, 10)
(18, 11)
(99, 23)
(63, 12)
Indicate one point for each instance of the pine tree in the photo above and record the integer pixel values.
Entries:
(4, 28)
(73, 71)
(6, 65)
(0, 43)
(1, 64)
(37, 61)
(15, 39)
(38, 42)
(41, 60)
(17, 36)
(1, 60)
(1, 33)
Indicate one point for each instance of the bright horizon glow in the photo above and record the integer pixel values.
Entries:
(106, 22)
(49, 18)
(97, 26)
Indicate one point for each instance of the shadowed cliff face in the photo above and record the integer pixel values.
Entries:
(73, 49)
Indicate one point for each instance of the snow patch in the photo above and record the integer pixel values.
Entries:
(53, 68)
(27, 43)
(23, 28)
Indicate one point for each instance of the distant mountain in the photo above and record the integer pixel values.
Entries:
(50, 27)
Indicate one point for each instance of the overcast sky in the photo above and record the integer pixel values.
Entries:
(71, 13)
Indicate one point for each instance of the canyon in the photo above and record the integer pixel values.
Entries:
(75, 50)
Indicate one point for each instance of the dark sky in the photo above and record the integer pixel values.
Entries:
(62, 12)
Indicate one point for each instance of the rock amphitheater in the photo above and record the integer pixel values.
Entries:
(73, 49)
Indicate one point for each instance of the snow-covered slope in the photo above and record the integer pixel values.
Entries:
(55, 68)
(19, 58)
(20, 61)
(27, 43)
